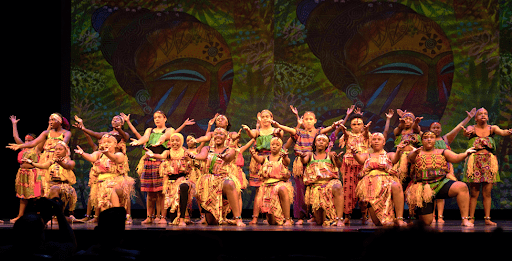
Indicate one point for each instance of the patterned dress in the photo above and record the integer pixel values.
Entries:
(175, 171)
(209, 187)
(28, 180)
(375, 186)
(107, 177)
(428, 178)
(321, 175)
(482, 166)
(63, 179)
(275, 176)
(350, 169)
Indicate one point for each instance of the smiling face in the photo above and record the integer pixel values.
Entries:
(175, 143)
(219, 136)
(190, 143)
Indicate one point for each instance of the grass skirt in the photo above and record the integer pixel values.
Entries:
(209, 192)
(319, 196)
(376, 190)
(270, 202)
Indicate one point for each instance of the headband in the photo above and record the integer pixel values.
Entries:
(408, 114)
(357, 119)
(278, 139)
(122, 120)
(378, 134)
(322, 136)
(56, 117)
(221, 130)
(428, 133)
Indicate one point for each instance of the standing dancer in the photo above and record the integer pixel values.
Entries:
(263, 135)
(216, 185)
(58, 131)
(443, 142)
(429, 180)
(325, 192)
(276, 189)
(28, 181)
(150, 180)
(379, 186)
(358, 139)
(178, 188)
(481, 168)
(304, 139)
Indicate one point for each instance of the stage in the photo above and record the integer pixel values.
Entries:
(304, 242)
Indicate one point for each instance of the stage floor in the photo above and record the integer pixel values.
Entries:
(355, 226)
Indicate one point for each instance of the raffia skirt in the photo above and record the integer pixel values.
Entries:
(319, 196)
(376, 190)
(270, 202)
(209, 192)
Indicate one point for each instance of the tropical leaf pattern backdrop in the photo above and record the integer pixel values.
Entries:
(194, 58)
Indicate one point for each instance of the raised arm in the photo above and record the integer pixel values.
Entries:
(126, 119)
(89, 157)
(187, 122)
(450, 136)
(256, 157)
(389, 115)
(30, 144)
(202, 155)
(143, 139)
(15, 134)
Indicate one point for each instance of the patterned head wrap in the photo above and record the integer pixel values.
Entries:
(56, 117)
(427, 134)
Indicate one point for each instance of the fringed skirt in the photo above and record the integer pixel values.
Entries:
(66, 193)
(108, 184)
(209, 192)
(376, 190)
(270, 202)
(255, 178)
(319, 196)
(28, 183)
(481, 168)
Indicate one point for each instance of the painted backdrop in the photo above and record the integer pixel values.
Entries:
(195, 58)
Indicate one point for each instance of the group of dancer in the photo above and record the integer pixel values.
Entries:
(326, 183)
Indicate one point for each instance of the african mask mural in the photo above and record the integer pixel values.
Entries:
(382, 55)
(167, 61)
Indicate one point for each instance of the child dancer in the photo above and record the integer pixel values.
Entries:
(216, 184)
(304, 139)
(276, 189)
(60, 177)
(263, 135)
(379, 185)
(177, 187)
(28, 182)
(325, 192)
(481, 168)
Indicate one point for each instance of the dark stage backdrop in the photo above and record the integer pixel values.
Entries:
(194, 58)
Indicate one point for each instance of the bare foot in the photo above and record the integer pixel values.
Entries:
(161, 221)
(288, 222)
(202, 220)
(299, 222)
(93, 220)
(182, 222)
(12, 221)
(467, 223)
(340, 223)
(311, 220)
(240, 223)
(254, 221)
(440, 220)
(147, 221)
(488, 222)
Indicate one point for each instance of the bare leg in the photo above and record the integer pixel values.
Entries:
(150, 204)
(460, 190)
(440, 211)
(397, 195)
(23, 206)
(256, 207)
(373, 216)
(474, 193)
(337, 192)
(319, 216)
(486, 193)
(229, 190)
(285, 205)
